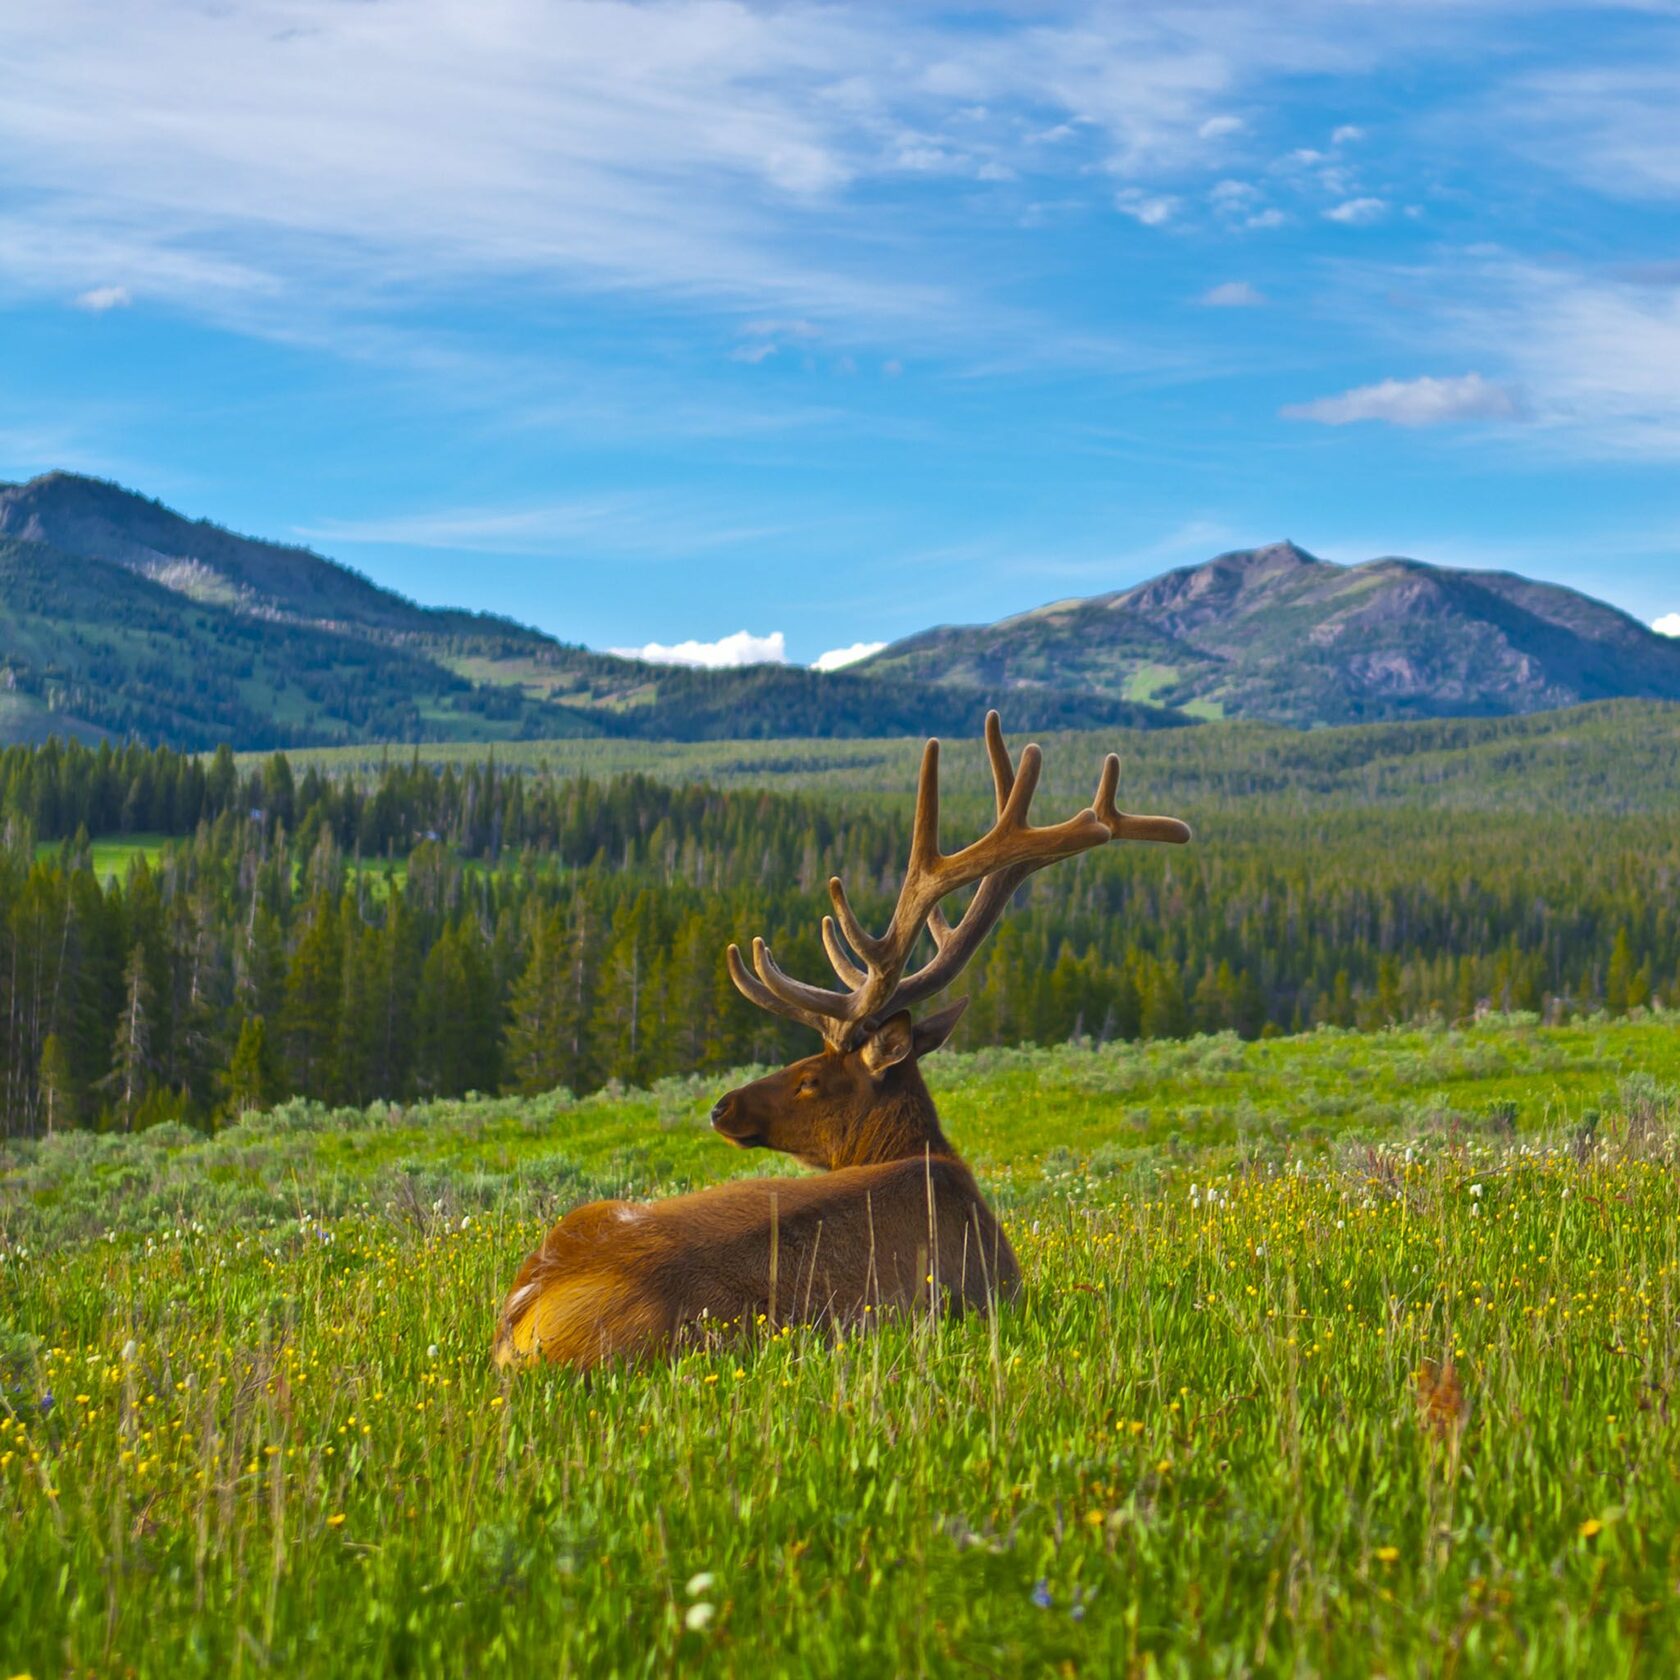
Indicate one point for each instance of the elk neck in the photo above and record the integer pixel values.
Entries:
(902, 1122)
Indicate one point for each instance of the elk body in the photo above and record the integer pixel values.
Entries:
(893, 1217)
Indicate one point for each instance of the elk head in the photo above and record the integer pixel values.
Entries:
(846, 1108)
(861, 1099)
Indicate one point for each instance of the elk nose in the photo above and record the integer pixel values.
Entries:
(722, 1107)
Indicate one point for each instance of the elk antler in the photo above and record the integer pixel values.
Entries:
(1001, 859)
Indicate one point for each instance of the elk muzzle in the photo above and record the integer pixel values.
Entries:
(729, 1123)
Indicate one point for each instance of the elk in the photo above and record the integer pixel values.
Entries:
(893, 1217)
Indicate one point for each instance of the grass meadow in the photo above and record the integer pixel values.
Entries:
(1339, 1354)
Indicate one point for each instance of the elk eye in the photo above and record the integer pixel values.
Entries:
(807, 1087)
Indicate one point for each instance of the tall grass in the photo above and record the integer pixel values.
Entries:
(1394, 1397)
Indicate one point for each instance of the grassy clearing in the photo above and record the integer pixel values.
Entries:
(112, 854)
(248, 1422)
(1612, 757)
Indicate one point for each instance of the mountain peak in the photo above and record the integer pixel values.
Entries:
(1276, 633)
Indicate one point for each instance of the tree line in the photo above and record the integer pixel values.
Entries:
(416, 932)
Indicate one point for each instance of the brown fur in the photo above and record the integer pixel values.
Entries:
(892, 1209)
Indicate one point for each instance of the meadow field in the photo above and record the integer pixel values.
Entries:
(1340, 1354)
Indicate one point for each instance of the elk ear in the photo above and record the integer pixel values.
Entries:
(889, 1044)
(933, 1032)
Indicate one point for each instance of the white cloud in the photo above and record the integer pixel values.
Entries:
(742, 648)
(1600, 359)
(1233, 294)
(341, 161)
(99, 299)
(1358, 212)
(836, 658)
(1413, 402)
(611, 523)
(1152, 209)
(1347, 133)
(1611, 126)
(1216, 128)
(1595, 356)
(1667, 625)
(1266, 219)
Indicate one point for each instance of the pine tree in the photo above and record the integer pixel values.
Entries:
(251, 1082)
(55, 1085)
(456, 1016)
(130, 1077)
(1620, 977)
(355, 1079)
(538, 1058)
(314, 994)
(629, 1000)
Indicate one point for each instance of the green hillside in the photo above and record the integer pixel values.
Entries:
(119, 617)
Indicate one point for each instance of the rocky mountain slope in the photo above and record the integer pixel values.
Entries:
(1276, 633)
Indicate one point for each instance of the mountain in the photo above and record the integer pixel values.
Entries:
(120, 617)
(1277, 634)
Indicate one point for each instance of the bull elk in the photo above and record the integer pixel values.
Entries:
(893, 1216)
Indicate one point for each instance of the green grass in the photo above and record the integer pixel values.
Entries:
(1146, 681)
(111, 855)
(1613, 757)
(1199, 1445)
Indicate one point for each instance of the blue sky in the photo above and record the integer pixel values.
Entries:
(656, 323)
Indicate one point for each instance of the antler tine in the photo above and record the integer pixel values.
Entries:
(756, 992)
(847, 970)
(858, 937)
(1123, 827)
(924, 829)
(817, 1000)
(1003, 772)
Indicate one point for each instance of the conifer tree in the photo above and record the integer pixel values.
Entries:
(130, 1077)
(314, 993)
(55, 1086)
(538, 1057)
(251, 1081)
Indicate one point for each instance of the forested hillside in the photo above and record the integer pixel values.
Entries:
(121, 618)
(432, 931)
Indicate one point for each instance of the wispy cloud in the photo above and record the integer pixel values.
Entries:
(1151, 209)
(1233, 294)
(1412, 402)
(1667, 625)
(1357, 212)
(838, 658)
(650, 523)
(306, 157)
(741, 648)
(1595, 355)
(1609, 125)
(98, 299)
